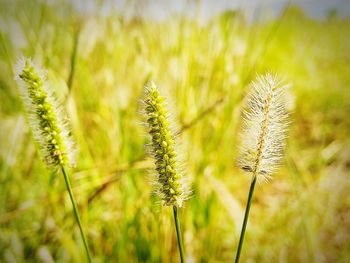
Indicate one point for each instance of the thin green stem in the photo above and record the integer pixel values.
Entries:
(245, 220)
(178, 233)
(76, 213)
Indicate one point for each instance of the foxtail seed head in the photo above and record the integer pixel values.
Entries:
(45, 118)
(170, 183)
(264, 128)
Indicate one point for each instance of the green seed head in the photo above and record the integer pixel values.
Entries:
(170, 183)
(44, 116)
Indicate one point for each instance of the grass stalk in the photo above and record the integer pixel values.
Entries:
(245, 220)
(73, 60)
(76, 213)
(178, 233)
(170, 184)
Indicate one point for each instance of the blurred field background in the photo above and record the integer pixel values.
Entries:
(98, 62)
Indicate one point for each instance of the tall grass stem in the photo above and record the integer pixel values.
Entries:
(246, 215)
(178, 233)
(76, 213)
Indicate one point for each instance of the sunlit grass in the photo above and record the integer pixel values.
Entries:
(301, 216)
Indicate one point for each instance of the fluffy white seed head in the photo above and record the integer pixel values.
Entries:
(265, 122)
(45, 115)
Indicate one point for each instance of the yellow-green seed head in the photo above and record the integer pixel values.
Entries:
(170, 183)
(45, 118)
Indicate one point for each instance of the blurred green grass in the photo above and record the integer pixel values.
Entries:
(302, 215)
